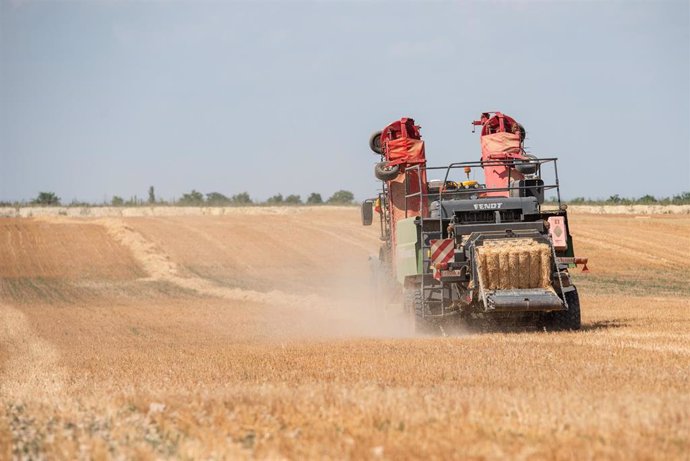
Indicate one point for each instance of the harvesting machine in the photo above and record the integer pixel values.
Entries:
(455, 248)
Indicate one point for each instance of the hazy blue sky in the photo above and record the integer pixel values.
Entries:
(106, 97)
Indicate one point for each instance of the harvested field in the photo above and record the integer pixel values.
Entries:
(250, 335)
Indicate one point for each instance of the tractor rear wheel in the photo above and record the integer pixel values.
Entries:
(422, 325)
(566, 320)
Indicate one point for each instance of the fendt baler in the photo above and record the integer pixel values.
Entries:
(456, 248)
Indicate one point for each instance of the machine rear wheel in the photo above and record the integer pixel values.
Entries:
(422, 325)
(566, 320)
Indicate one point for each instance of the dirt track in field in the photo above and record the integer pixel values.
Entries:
(251, 335)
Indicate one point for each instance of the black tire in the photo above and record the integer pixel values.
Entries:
(566, 320)
(375, 143)
(384, 172)
(422, 325)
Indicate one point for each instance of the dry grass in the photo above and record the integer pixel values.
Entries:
(196, 358)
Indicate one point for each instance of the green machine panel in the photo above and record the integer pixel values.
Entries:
(407, 249)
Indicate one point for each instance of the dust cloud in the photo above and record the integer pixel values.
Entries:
(342, 301)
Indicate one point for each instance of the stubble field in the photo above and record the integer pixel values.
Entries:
(250, 335)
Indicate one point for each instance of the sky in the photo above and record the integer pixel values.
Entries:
(103, 98)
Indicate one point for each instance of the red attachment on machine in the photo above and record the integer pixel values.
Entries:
(501, 140)
(403, 143)
(402, 147)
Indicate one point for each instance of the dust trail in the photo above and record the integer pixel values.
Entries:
(349, 311)
(159, 266)
(337, 236)
(32, 371)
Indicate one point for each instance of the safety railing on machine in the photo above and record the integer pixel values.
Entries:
(478, 191)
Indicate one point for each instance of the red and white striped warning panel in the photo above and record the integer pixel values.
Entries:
(442, 251)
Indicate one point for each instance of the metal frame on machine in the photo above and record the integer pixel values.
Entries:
(385, 223)
(426, 199)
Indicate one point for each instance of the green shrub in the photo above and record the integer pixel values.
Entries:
(342, 197)
(192, 198)
(47, 199)
(314, 199)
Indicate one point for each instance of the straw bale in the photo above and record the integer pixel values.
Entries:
(510, 260)
(504, 275)
(493, 266)
(523, 267)
(482, 268)
(514, 264)
(534, 267)
(545, 266)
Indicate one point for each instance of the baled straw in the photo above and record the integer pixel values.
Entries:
(514, 264)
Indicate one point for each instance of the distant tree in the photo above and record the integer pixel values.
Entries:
(192, 198)
(683, 197)
(342, 197)
(216, 198)
(46, 198)
(614, 199)
(242, 198)
(578, 200)
(133, 201)
(152, 195)
(647, 199)
(293, 199)
(117, 201)
(314, 199)
(276, 199)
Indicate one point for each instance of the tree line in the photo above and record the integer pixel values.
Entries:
(196, 198)
(679, 199)
(341, 197)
